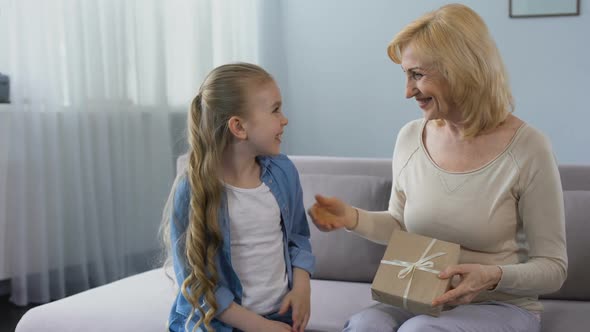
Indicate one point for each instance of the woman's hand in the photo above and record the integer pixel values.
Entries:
(299, 300)
(475, 278)
(330, 213)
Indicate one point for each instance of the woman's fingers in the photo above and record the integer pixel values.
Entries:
(465, 299)
(322, 217)
(332, 204)
(452, 270)
(474, 279)
(448, 296)
(322, 200)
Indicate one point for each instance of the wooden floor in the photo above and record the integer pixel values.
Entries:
(10, 314)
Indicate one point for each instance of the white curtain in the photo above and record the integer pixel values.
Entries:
(85, 147)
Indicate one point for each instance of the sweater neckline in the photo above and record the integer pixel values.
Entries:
(478, 169)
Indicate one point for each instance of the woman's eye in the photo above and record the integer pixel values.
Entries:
(417, 76)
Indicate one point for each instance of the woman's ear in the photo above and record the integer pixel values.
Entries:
(236, 126)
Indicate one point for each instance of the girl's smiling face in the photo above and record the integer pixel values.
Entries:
(265, 121)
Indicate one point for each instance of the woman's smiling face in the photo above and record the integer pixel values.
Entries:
(426, 85)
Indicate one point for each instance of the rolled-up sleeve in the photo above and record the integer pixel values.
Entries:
(299, 237)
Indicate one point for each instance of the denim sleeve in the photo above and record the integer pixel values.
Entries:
(178, 225)
(299, 238)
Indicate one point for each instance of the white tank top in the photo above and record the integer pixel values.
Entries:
(257, 247)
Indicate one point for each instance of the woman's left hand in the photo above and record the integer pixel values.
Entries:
(475, 278)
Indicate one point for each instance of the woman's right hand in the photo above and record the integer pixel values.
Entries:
(330, 213)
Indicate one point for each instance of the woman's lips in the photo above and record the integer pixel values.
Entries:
(423, 102)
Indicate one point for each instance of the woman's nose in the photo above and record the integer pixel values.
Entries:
(411, 89)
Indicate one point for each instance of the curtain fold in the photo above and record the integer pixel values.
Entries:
(83, 194)
(86, 150)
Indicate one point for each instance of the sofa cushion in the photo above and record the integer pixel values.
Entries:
(565, 316)
(577, 225)
(342, 255)
(138, 303)
(333, 302)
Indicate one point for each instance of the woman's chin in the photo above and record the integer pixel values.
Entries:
(430, 115)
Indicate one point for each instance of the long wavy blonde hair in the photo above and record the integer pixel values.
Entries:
(221, 96)
(456, 40)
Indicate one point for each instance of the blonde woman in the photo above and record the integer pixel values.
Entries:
(235, 224)
(471, 173)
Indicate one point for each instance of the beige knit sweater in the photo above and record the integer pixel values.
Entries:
(507, 213)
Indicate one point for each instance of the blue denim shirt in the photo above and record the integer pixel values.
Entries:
(281, 176)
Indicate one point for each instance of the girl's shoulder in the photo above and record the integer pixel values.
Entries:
(280, 161)
(281, 168)
(281, 157)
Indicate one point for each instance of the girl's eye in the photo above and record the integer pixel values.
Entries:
(276, 110)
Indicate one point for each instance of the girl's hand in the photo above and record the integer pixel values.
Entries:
(273, 325)
(329, 213)
(475, 278)
(298, 299)
(245, 320)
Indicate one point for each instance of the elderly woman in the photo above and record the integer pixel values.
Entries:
(471, 173)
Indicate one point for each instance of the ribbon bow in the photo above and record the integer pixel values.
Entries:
(424, 264)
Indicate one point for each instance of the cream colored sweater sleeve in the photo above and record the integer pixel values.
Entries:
(541, 211)
(376, 226)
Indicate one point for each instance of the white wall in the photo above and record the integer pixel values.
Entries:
(344, 97)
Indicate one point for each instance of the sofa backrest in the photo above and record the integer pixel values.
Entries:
(364, 183)
(575, 180)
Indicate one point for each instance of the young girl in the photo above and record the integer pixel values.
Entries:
(237, 232)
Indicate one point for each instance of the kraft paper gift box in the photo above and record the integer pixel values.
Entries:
(408, 274)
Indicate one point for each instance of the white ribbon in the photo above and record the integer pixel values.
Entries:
(424, 264)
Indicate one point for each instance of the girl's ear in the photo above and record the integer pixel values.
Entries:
(236, 126)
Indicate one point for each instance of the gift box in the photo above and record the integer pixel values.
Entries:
(408, 274)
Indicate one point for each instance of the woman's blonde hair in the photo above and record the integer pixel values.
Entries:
(221, 96)
(456, 41)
